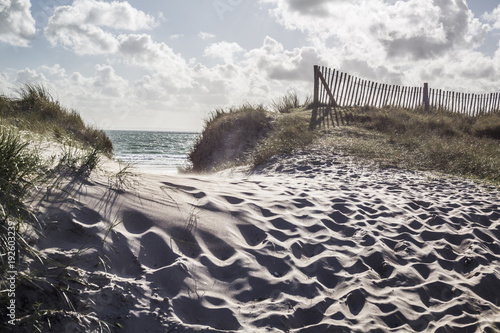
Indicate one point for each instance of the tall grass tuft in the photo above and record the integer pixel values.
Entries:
(487, 126)
(288, 102)
(17, 170)
(20, 171)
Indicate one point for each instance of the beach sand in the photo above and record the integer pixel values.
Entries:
(313, 243)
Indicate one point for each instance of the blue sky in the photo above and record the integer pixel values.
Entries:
(164, 65)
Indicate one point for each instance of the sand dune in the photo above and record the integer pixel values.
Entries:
(312, 244)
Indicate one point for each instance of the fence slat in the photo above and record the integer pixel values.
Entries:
(363, 93)
(353, 91)
(346, 92)
(377, 98)
(490, 102)
(405, 97)
(368, 92)
(414, 99)
(384, 95)
(497, 100)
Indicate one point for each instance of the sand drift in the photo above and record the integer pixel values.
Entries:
(312, 244)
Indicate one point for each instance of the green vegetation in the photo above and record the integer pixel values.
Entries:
(36, 115)
(228, 136)
(35, 110)
(250, 135)
(288, 102)
(288, 133)
(439, 141)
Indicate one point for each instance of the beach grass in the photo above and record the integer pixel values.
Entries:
(251, 134)
(34, 114)
(35, 110)
(228, 135)
(289, 132)
(439, 141)
(288, 102)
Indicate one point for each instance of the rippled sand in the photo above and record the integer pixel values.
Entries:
(314, 243)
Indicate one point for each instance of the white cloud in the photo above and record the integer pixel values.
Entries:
(81, 26)
(387, 40)
(5, 84)
(223, 50)
(17, 26)
(29, 75)
(493, 17)
(108, 83)
(311, 7)
(205, 35)
(280, 64)
(143, 51)
(90, 27)
(176, 36)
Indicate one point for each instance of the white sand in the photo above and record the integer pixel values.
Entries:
(318, 244)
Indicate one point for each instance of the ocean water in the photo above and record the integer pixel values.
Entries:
(154, 152)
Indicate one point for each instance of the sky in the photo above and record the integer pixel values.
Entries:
(166, 64)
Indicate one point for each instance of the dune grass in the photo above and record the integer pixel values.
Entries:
(440, 141)
(288, 102)
(228, 136)
(288, 133)
(22, 172)
(35, 110)
(250, 135)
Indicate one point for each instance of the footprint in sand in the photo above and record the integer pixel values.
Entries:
(356, 300)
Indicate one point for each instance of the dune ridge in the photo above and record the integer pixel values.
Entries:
(314, 243)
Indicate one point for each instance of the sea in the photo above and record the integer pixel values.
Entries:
(153, 152)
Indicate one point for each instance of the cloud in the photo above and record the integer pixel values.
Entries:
(17, 26)
(223, 50)
(29, 75)
(108, 83)
(443, 26)
(205, 35)
(142, 51)
(5, 84)
(493, 17)
(385, 39)
(281, 64)
(311, 7)
(81, 26)
(176, 36)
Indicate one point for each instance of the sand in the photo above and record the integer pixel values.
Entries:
(313, 243)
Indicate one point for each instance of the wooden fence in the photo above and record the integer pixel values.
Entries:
(334, 89)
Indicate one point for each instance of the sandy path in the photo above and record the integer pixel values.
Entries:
(323, 245)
